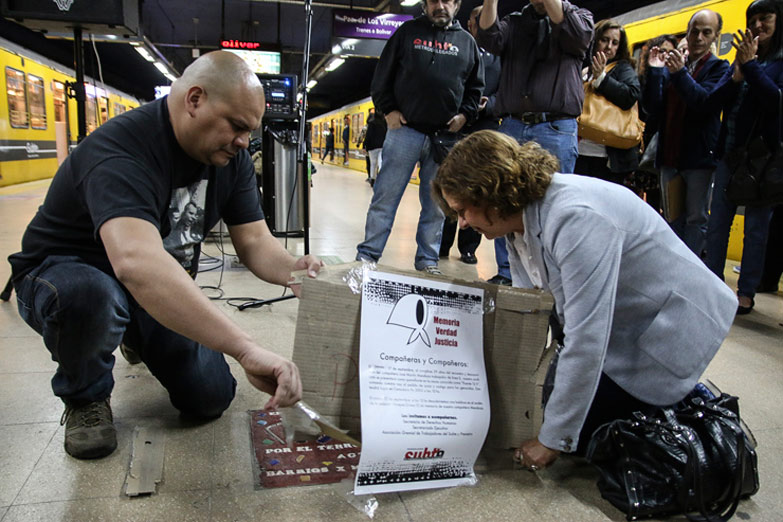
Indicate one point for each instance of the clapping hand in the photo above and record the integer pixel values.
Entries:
(746, 45)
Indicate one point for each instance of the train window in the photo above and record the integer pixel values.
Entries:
(104, 103)
(118, 108)
(17, 98)
(35, 93)
(58, 95)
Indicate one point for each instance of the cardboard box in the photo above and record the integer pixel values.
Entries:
(326, 349)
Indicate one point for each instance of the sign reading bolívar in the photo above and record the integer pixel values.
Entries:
(423, 385)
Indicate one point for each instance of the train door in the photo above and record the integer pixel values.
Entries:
(62, 133)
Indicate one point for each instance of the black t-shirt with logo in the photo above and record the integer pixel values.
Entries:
(132, 166)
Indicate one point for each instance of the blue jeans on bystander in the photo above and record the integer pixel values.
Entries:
(402, 148)
(691, 226)
(722, 213)
(559, 138)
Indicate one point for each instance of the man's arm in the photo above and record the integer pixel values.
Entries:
(163, 288)
(554, 10)
(574, 30)
(263, 254)
(696, 93)
(489, 14)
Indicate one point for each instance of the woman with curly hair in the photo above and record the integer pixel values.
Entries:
(635, 336)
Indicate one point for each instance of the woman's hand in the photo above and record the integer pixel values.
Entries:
(598, 64)
(535, 456)
(737, 76)
(657, 57)
(746, 46)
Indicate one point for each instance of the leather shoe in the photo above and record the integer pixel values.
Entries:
(469, 258)
(744, 310)
(499, 280)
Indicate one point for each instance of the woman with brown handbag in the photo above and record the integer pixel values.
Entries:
(611, 75)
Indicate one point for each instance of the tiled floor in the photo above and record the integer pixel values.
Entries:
(207, 469)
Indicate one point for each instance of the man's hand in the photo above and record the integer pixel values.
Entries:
(456, 122)
(534, 456)
(675, 61)
(272, 374)
(483, 103)
(310, 263)
(395, 120)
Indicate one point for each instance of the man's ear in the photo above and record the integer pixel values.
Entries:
(194, 98)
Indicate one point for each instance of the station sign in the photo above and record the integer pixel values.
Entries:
(366, 24)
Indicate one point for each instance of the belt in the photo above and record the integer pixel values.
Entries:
(534, 118)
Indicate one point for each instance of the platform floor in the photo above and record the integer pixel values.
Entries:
(207, 469)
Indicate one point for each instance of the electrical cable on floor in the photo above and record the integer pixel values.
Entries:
(241, 303)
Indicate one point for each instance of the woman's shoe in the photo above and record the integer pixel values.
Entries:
(744, 310)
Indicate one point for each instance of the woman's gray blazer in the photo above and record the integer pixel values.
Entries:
(634, 301)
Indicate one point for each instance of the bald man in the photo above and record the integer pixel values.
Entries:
(111, 256)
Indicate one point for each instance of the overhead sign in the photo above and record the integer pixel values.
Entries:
(366, 24)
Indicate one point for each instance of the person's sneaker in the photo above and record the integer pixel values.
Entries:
(432, 270)
(469, 258)
(499, 280)
(89, 430)
(129, 354)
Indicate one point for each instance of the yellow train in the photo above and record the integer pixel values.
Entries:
(353, 115)
(38, 119)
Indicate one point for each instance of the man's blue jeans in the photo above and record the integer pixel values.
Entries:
(691, 227)
(402, 148)
(722, 213)
(559, 138)
(83, 314)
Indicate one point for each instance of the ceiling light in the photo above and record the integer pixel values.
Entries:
(144, 52)
(312, 83)
(334, 64)
(408, 3)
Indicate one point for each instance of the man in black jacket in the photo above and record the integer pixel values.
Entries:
(675, 91)
(468, 239)
(429, 78)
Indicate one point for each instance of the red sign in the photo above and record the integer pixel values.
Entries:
(239, 44)
(307, 462)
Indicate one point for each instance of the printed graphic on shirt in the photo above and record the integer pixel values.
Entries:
(434, 46)
(186, 216)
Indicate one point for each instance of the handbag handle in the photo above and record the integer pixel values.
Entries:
(723, 512)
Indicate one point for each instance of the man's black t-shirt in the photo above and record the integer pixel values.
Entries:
(133, 167)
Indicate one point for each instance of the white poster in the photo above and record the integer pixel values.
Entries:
(423, 384)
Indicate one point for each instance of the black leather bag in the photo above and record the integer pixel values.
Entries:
(441, 143)
(695, 460)
(756, 174)
(756, 171)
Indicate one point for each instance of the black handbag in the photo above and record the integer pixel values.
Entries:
(442, 142)
(756, 171)
(695, 459)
